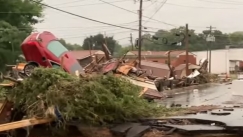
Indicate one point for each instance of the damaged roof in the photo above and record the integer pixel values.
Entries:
(154, 64)
(82, 54)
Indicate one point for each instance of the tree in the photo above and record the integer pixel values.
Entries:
(123, 51)
(21, 13)
(197, 42)
(236, 38)
(70, 46)
(16, 22)
(221, 40)
(10, 36)
(95, 43)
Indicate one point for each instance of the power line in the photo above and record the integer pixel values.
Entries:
(122, 38)
(93, 4)
(69, 2)
(162, 4)
(91, 27)
(172, 4)
(136, 13)
(86, 17)
(152, 3)
(85, 35)
(225, 2)
(10, 12)
(223, 35)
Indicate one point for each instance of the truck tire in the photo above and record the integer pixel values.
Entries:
(28, 68)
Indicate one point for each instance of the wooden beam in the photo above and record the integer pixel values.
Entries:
(23, 123)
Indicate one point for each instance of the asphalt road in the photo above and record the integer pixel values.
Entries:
(223, 95)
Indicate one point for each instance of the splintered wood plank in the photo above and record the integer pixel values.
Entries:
(2, 104)
(23, 123)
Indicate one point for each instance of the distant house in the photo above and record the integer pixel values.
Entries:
(86, 56)
(177, 57)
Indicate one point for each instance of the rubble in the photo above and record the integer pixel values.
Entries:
(155, 85)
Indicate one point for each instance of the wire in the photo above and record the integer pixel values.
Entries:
(225, 2)
(10, 12)
(99, 31)
(136, 13)
(162, 4)
(85, 35)
(92, 27)
(69, 2)
(101, 28)
(86, 17)
(172, 4)
(152, 3)
(122, 38)
(92, 4)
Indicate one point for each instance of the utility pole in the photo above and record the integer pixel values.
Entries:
(89, 48)
(131, 40)
(105, 39)
(211, 39)
(187, 45)
(140, 33)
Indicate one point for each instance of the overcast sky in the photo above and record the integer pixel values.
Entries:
(225, 15)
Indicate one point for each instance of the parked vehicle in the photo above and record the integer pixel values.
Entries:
(44, 49)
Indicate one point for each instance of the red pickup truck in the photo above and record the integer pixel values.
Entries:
(44, 49)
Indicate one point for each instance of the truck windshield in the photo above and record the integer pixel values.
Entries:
(56, 48)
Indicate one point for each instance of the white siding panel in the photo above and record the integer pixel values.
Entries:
(218, 60)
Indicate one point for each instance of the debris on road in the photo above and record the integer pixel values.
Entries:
(92, 100)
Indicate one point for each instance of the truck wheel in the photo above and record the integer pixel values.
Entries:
(28, 68)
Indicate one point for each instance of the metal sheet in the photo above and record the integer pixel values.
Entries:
(124, 69)
(109, 67)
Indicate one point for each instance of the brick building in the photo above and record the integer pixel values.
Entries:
(177, 57)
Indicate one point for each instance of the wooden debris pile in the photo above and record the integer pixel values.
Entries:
(94, 100)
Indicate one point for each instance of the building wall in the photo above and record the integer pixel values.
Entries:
(156, 71)
(235, 54)
(159, 60)
(219, 60)
(175, 61)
